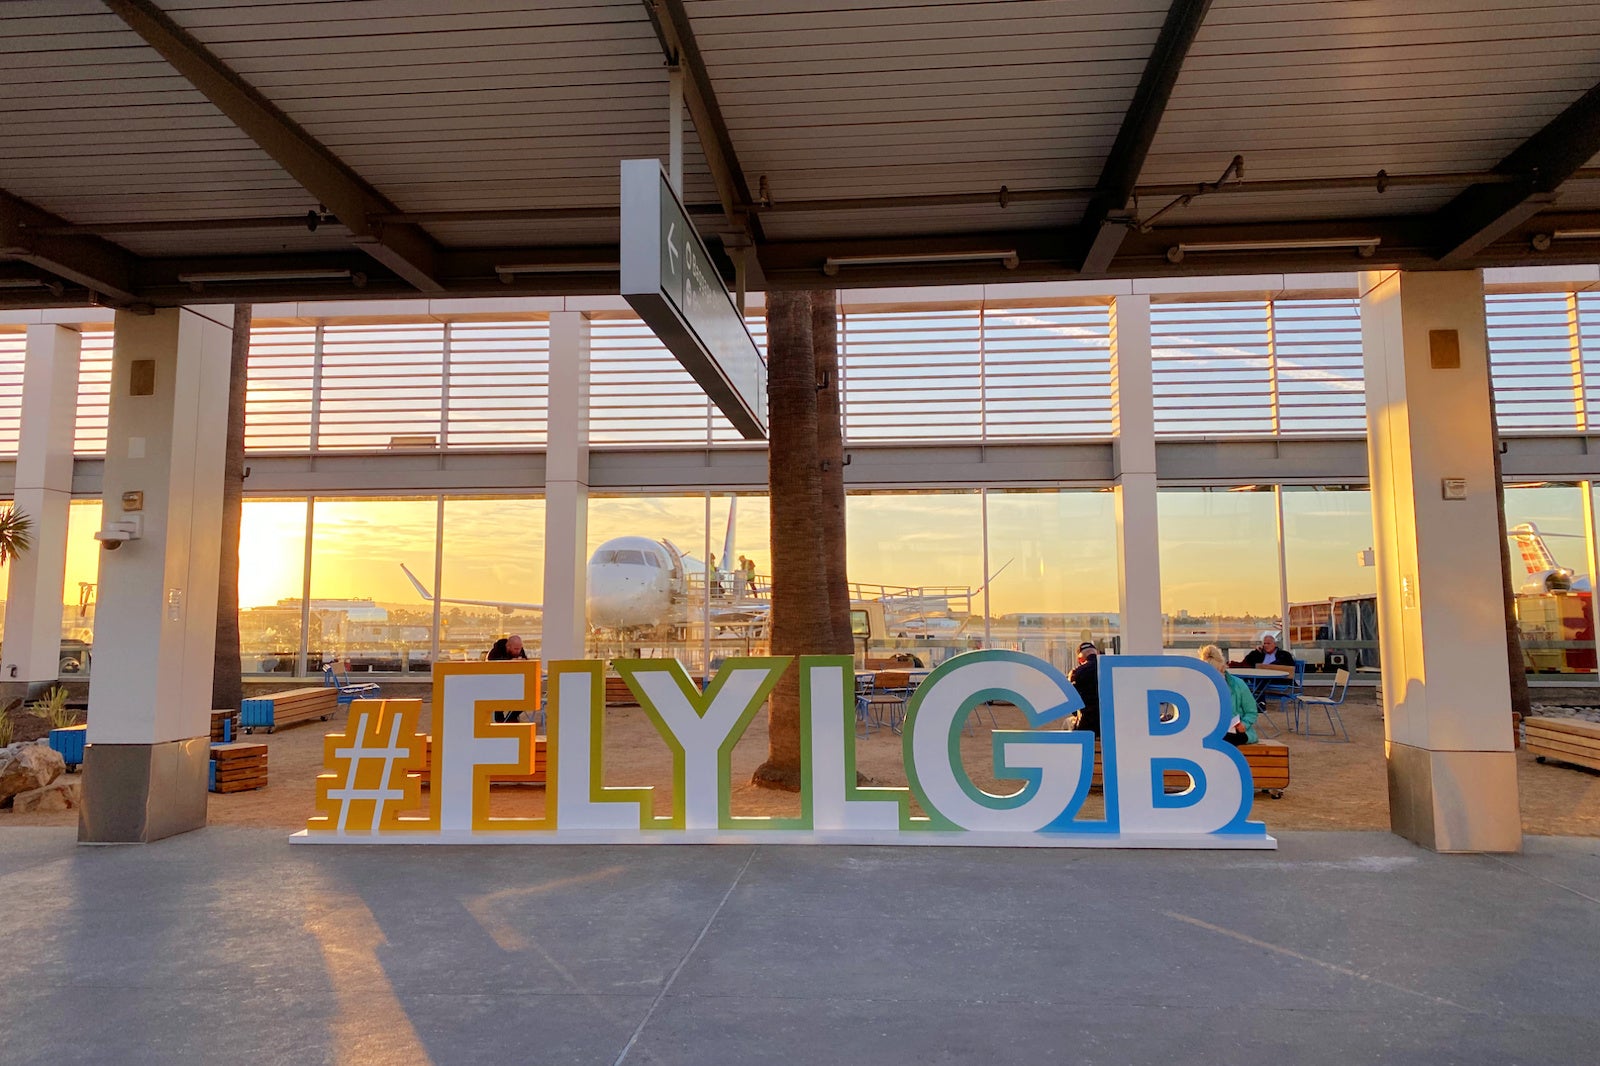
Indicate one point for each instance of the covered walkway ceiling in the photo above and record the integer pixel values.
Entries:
(154, 152)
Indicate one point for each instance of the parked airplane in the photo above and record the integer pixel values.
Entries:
(1542, 573)
(636, 582)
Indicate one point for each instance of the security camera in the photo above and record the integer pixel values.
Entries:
(120, 532)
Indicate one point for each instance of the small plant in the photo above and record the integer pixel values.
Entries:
(16, 534)
(7, 729)
(53, 708)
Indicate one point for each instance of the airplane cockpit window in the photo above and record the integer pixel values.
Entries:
(630, 556)
(607, 556)
(654, 560)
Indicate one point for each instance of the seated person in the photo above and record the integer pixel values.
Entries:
(507, 648)
(1269, 654)
(1242, 727)
(1085, 677)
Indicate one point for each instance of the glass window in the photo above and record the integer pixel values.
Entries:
(665, 620)
(272, 545)
(494, 554)
(1053, 571)
(363, 605)
(1219, 567)
(1333, 585)
(1550, 576)
(80, 584)
(919, 557)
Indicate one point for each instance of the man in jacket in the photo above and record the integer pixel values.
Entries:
(1085, 677)
(1269, 654)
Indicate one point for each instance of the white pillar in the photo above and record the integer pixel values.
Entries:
(44, 494)
(566, 490)
(150, 691)
(1133, 454)
(1441, 624)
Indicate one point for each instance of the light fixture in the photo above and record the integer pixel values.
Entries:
(1576, 234)
(1362, 246)
(198, 279)
(508, 272)
(1006, 258)
(55, 287)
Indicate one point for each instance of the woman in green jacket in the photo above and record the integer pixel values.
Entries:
(1245, 707)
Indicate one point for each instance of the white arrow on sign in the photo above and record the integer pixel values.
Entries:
(672, 244)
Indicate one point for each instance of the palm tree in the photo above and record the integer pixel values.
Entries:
(800, 623)
(227, 682)
(16, 534)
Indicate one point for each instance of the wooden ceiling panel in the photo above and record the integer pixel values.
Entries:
(1347, 86)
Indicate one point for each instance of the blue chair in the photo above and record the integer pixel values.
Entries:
(1287, 694)
(1330, 706)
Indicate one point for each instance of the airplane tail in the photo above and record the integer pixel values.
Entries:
(994, 575)
(727, 540)
(1536, 555)
(421, 591)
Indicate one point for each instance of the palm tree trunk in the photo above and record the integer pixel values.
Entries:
(1521, 701)
(227, 682)
(800, 623)
(830, 452)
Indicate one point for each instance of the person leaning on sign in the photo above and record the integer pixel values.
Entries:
(507, 648)
(1085, 677)
(1269, 654)
(1242, 730)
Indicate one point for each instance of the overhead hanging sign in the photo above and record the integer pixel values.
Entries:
(669, 279)
(370, 791)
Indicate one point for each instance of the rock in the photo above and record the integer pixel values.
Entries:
(25, 767)
(57, 796)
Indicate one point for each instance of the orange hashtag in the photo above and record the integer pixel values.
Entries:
(365, 786)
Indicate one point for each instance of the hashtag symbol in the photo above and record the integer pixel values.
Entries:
(361, 792)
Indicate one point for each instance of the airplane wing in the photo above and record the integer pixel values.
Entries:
(504, 605)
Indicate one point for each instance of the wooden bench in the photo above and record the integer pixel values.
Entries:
(618, 694)
(224, 726)
(425, 775)
(288, 707)
(1568, 740)
(238, 767)
(1269, 768)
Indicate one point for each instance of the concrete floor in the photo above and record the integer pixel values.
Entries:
(228, 945)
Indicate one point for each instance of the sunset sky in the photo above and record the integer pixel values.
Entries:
(1055, 551)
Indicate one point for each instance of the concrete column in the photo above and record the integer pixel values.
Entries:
(1446, 690)
(44, 494)
(1133, 457)
(150, 692)
(566, 490)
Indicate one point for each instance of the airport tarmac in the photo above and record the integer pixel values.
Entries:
(229, 945)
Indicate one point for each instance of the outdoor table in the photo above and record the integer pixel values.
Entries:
(1258, 678)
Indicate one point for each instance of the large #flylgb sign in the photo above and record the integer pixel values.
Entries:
(1158, 714)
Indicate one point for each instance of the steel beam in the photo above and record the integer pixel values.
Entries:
(1483, 213)
(404, 248)
(96, 264)
(1105, 221)
(672, 26)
